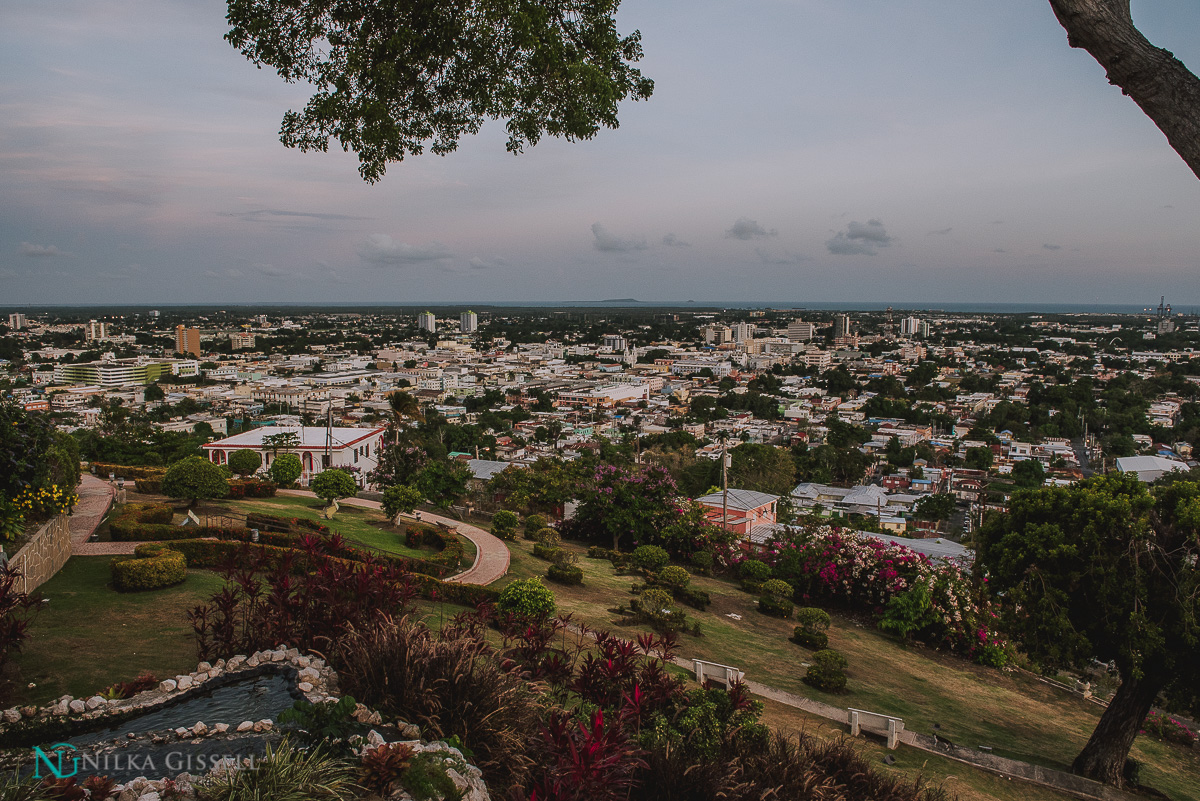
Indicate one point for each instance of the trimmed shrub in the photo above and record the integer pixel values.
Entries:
(400, 499)
(332, 484)
(548, 552)
(565, 574)
(812, 640)
(650, 557)
(103, 469)
(152, 567)
(657, 607)
(533, 524)
(195, 477)
(547, 536)
(776, 598)
(754, 570)
(702, 563)
(827, 671)
(252, 488)
(697, 599)
(526, 598)
(504, 524)
(286, 469)
(245, 462)
(673, 578)
(148, 486)
(599, 552)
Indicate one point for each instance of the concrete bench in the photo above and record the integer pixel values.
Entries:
(447, 527)
(711, 671)
(860, 719)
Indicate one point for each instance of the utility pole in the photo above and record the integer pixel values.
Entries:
(724, 482)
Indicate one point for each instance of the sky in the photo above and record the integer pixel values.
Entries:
(794, 151)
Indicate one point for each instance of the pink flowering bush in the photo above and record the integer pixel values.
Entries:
(911, 594)
(1165, 727)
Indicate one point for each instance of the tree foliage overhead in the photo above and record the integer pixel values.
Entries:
(1104, 570)
(394, 78)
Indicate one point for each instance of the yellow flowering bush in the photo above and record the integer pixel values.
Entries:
(45, 502)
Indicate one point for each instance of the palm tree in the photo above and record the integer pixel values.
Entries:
(404, 407)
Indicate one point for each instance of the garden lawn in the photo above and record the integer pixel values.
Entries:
(1016, 714)
(89, 636)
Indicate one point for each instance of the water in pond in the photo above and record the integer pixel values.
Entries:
(263, 696)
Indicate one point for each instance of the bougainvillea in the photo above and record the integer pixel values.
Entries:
(931, 600)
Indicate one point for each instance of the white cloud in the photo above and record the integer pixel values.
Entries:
(41, 251)
(745, 228)
(672, 241)
(860, 239)
(382, 249)
(610, 242)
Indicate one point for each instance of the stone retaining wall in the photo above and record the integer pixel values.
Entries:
(45, 553)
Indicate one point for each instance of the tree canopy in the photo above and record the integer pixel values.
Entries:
(393, 79)
(1104, 570)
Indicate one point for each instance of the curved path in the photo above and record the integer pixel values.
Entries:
(491, 554)
(95, 498)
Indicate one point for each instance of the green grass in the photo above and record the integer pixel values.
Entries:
(1014, 713)
(89, 636)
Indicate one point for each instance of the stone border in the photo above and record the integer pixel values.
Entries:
(44, 553)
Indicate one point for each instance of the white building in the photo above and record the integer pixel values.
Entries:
(95, 331)
(16, 321)
(909, 326)
(800, 331)
(468, 322)
(427, 322)
(353, 448)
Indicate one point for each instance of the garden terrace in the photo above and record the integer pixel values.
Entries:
(1017, 714)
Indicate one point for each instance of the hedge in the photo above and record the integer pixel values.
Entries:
(697, 599)
(128, 471)
(813, 640)
(148, 486)
(565, 574)
(450, 550)
(252, 488)
(261, 520)
(547, 552)
(152, 567)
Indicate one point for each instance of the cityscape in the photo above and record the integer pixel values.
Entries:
(599, 401)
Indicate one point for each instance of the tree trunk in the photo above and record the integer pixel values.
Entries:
(1157, 81)
(1103, 758)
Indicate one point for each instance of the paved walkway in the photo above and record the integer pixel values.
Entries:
(491, 554)
(95, 499)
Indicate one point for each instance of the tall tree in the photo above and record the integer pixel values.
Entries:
(393, 79)
(1104, 570)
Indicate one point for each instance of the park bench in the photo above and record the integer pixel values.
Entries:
(860, 719)
(711, 671)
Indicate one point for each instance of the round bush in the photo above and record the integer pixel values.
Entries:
(547, 536)
(754, 570)
(650, 557)
(534, 523)
(286, 469)
(550, 553)
(703, 562)
(812, 619)
(526, 598)
(813, 640)
(400, 499)
(332, 484)
(774, 606)
(657, 607)
(504, 524)
(777, 588)
(195, 477)
(673, 577)
(245, 462)
(565, 574)
(152, 567)
(827, 671)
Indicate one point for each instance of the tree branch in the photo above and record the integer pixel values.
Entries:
(1157, 81)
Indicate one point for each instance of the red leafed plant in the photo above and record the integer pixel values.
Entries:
(383, 767)
(593, 760)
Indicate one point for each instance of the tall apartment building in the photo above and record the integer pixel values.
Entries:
(909, 326)
(16, 321)
(743, 332)
(923, 329)
(427, 322)
(95, 331)
(187, 340)
(841, 326)
(468, 322)
(800, 331)
(614, 342)
(242, 340)
(717, 334)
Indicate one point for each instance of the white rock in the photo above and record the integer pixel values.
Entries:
(213, 673)
(245, 725)
(292, 654)
(374, 738)
(278, 656)
(252, 661)
(303, 687)
(12, 715)
(94, 702)
(318, 663)
(308, 674)
(200, 728)
(303, 661)
(183, 682)
(203, 667)
(78, 707)
(221, 728)
(235, 662)
(167, 685)
(150, 796)
(181, 732)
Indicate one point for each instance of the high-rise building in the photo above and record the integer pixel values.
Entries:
(154, 313)
(468, 322)
(614, 342)
(909, 326)
(243, 340)
(717, 334)
(95, 331)
(16, 321)
(841, 326)
(800, 331)
(187, 340)
(923, 329)
(427, 322)
(743, 332)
